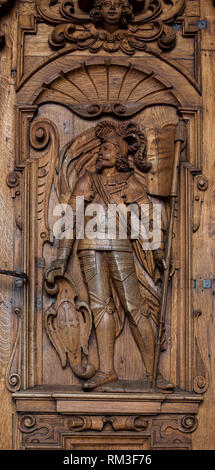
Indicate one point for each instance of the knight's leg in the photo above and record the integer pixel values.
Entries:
(96, 274)
(126, 283)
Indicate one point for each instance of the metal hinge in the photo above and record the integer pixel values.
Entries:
(14, 274)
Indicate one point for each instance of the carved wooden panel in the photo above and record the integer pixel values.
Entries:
(169, 426)
(122, 76)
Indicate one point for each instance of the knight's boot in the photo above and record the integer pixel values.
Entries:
(105, 334)
(144, 338)
(163, 384)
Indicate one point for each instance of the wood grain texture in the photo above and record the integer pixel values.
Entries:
(7, 93)
(204, 269)
(83, 78)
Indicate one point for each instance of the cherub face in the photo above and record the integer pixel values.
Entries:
(111, 11)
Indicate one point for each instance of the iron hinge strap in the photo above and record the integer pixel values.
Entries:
(14, 274)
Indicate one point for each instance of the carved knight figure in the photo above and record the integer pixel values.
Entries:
(108, 265)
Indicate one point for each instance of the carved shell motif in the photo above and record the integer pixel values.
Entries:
(121, 90)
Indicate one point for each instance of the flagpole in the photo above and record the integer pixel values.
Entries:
(179, 140)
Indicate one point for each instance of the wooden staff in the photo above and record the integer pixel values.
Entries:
(179, 140)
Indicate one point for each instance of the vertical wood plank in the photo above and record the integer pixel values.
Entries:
(204, 258)
(7, 137)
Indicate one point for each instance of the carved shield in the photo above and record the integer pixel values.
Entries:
(68, 324)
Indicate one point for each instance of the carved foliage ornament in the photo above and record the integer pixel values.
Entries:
(111, 24)
(174, 433)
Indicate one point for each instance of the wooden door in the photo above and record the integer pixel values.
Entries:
(138, 77)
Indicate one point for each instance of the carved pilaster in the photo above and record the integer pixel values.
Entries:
(13, 377)
(200, 186)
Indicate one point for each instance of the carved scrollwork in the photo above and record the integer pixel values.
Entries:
(118, 423)
(202, 183)
(200, 187)
(177, 430)
(40, 134)
(133, 24)
(27, 422)
(13, 182)
(13, 379)
(44, 138)
(200, 384)
(162, 432)
(201, 375)
(35, 430)
(189, 423)
(131, 423)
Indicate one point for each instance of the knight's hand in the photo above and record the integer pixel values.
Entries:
(172, 269)
(56, 269)
(159, 257)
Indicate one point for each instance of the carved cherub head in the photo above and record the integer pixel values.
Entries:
(111, 14)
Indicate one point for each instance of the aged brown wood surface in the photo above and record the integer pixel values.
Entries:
(204, 270)
(67, 71)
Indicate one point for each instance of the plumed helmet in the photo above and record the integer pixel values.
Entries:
(128, 137)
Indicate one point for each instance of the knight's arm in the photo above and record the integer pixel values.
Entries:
(58, 266)
(65, 245)
(82, 189)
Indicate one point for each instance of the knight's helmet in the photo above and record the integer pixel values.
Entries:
(130, 140)
(117, 140)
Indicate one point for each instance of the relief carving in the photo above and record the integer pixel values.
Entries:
(35, 430)
(199, 191)
(111, 25)
(13, 379)
(98, 167)
(200, 369)
(124, 91)
(91, 302)
(90, 431)
(70, 332)
(117, 423)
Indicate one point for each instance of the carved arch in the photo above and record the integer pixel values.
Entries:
(79, 87)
